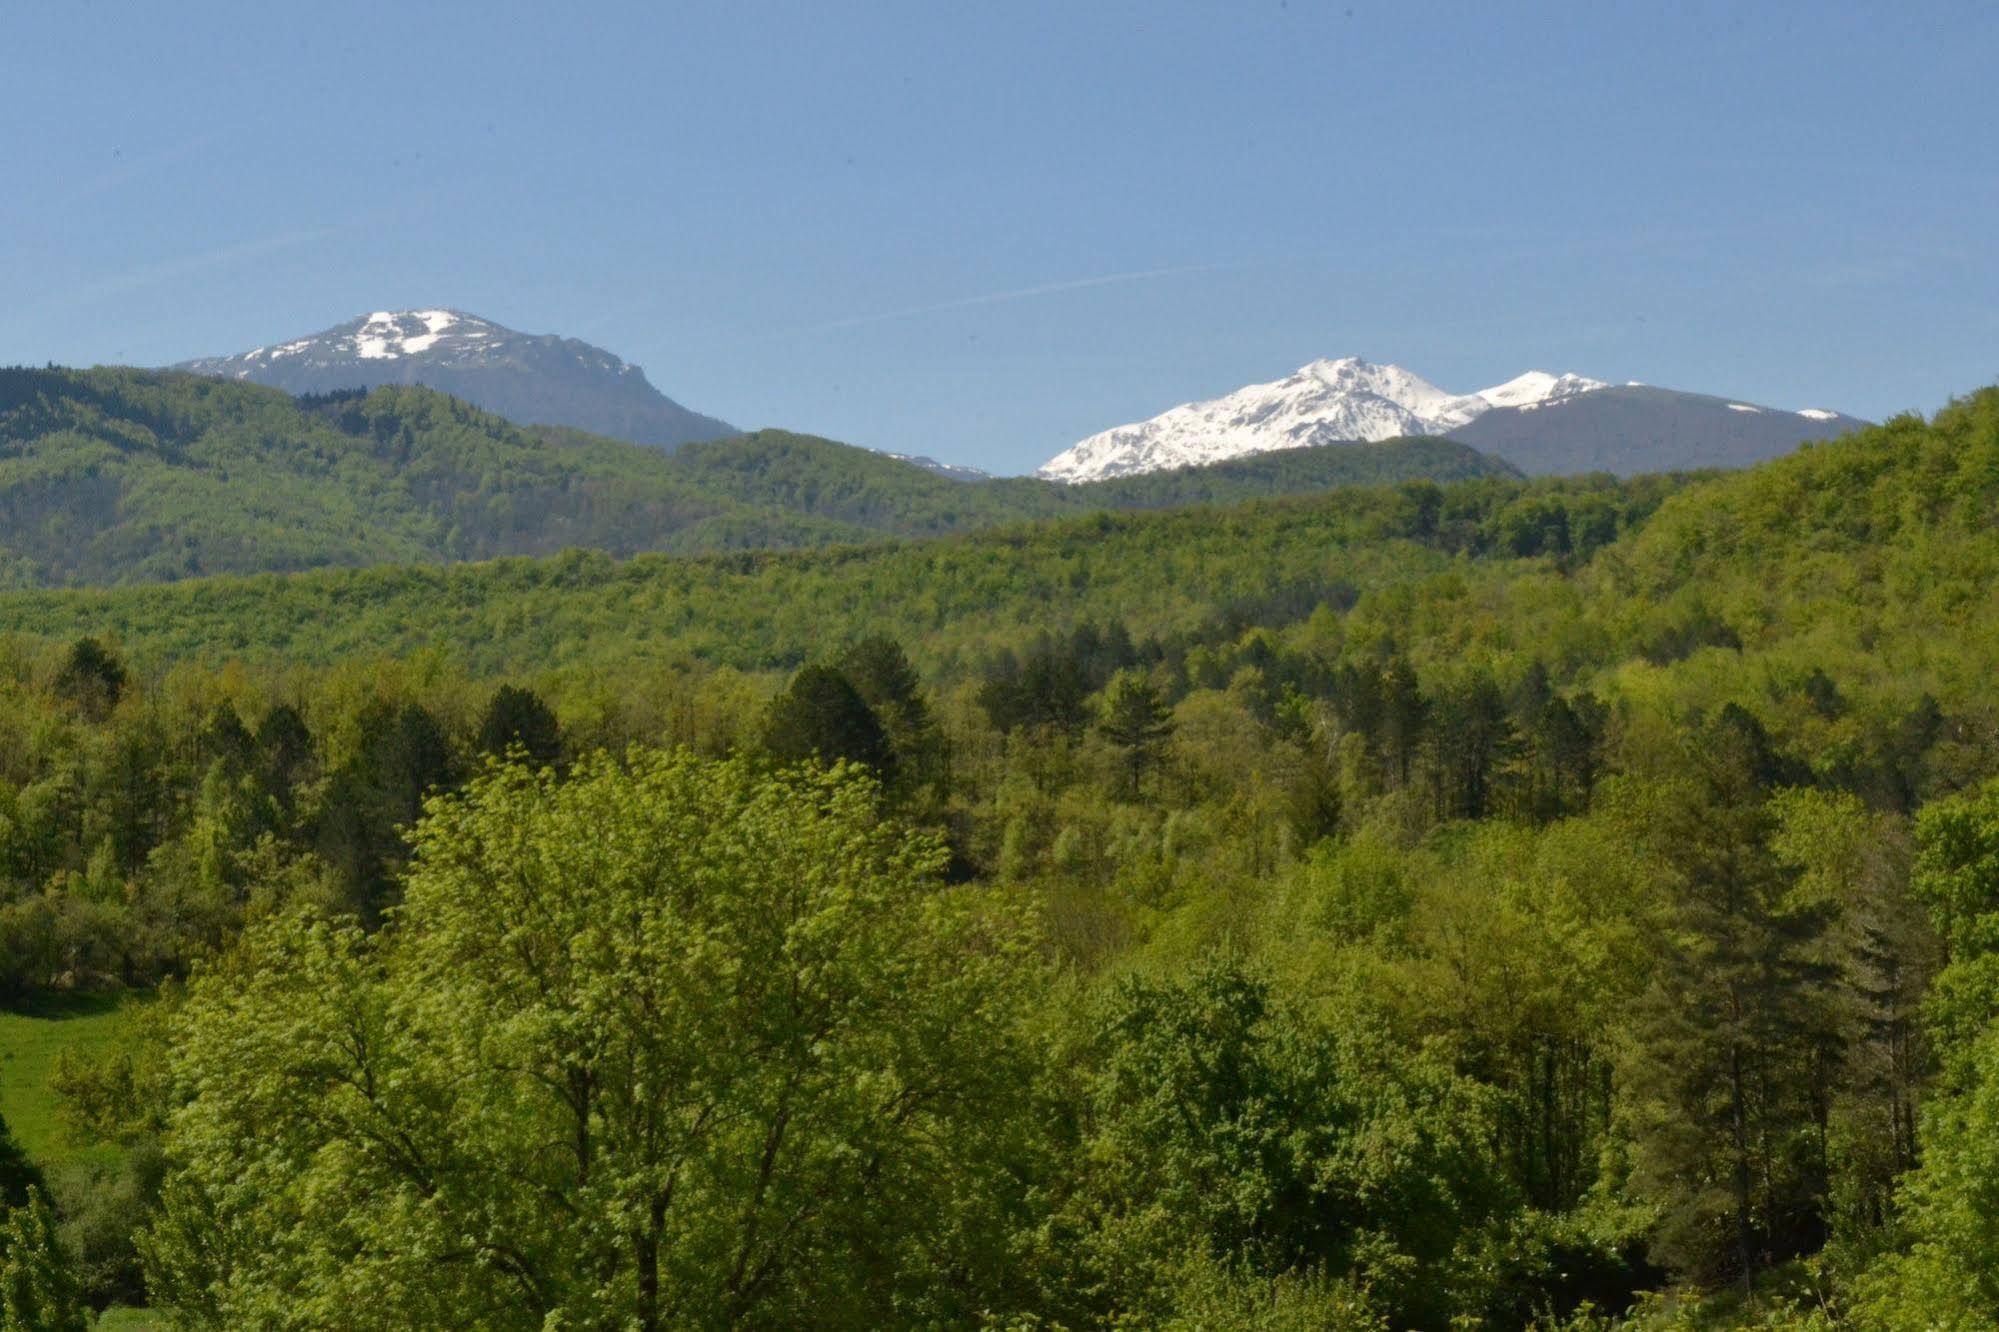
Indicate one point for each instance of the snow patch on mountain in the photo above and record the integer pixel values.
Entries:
(1537, 387)
(1329, 401)
(384, 335)
(534, 378)
(1817, 414)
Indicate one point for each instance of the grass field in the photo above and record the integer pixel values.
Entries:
(30, 1038)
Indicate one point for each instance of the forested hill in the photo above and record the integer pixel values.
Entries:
(951, 599)
(113, 475)
(118, 476)
(837, 482)
(1854, 551)
(1514, 904)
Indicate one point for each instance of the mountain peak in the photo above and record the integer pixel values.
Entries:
(1344, 400)
(1349, 400)
(1538, 386)
(384, 335)
(539, 379)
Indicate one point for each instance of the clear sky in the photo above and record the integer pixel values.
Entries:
(984, 230)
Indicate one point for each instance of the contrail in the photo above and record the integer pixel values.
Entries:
(1018, 294)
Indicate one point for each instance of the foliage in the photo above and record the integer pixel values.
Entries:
(821, 716)
(1135, 720)
(17, 1173)
(37, 1290)
(1487, 902)
(952, 602)
(115, 475)
(1949, 1275)
(1222, 1123)
(517, 718)
(668, 1042)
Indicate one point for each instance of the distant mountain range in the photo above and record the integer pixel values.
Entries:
(119, 475)
(1544, 424)
(537, 379)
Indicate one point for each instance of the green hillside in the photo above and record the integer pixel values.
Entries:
(951, 598)
(802, 474)
(1857, 548)
(1553, 905)
(126, 476)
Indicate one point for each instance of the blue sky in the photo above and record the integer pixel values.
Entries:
(984, 230)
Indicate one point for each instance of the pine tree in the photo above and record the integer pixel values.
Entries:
(1404, 717)
(821, 716)
(517, 718)
(18, 1175)
(1136, 721)
(92, 679)
(1728, 1071)
(881, 673)
(1472, 740)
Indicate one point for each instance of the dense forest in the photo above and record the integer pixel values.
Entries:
(1556, 904)
(124, 476)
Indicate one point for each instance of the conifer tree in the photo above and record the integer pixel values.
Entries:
(1136, 721)
(821, 716)
(18, 1175)
(92, 679)
(517, 717)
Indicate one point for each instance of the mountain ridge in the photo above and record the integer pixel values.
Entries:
(120, 475)
(1329, 402)
(540, 379)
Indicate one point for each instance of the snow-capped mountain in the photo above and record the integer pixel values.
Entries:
(538, 379)
(1327, 402)
(1536, 387)
(1542, 423)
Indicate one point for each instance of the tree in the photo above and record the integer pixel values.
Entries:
(1957, 878)
(1224, 1124)
(224, 739)
(1472, 740)
(403, 757)
(18, 1175)
(662, 1043)
(881, 673)
(1854, 863)
(38, 1292)
(284, 756)
(1725, 1080)
(1134, 719)
(1946, 1274)
(517, 717)
(1404, 717)
(821, 717)
(91, 679)
(1050, 688)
